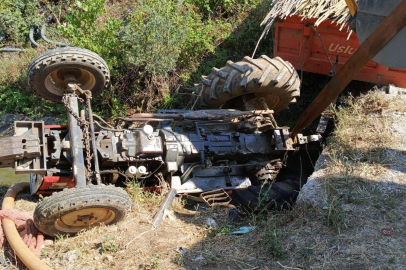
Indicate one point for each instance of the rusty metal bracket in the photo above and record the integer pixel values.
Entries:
(55, 156)
(300, 139)
(215, 197)
(17, 148)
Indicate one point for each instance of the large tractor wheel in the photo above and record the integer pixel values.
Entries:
(48, 72)
(76, 209)
(245, 85)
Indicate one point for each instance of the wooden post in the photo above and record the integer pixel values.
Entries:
(352, 6)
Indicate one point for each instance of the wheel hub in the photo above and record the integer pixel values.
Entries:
(84, 218)
(56, 84)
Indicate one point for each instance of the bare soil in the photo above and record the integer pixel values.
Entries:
(356, 191)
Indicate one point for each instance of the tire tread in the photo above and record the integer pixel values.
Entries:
(259, 76)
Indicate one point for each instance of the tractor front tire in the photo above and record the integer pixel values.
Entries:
(73, 210)
(47, 72)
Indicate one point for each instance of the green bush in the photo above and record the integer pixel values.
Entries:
(152, 47)
(83, 30)
(220, 7)
(161, 33)
(155, 34)
(17, 16)
(160, 37)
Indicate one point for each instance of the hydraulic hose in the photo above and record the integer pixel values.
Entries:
(42, 34)
(21, 250)
(10, 50)
(31, 36)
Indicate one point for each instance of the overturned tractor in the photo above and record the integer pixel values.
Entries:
(231, 143)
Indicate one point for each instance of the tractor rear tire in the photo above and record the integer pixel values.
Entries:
(241, 85)
(72, 210)
(47, 72)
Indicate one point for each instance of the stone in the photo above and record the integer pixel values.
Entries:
(49, 120)
(108, 258)
(4, 129)
(211, 223)
(10, 118)
(313, 191)
(393, 90)
(71, 256)
(198, 258)
(48, 242)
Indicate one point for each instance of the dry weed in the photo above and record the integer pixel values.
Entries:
(363, 187)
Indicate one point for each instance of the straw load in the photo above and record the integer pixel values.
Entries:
(335, 10)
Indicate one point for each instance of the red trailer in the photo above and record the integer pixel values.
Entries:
(297, 42)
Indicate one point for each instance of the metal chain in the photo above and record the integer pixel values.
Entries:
(85, 126)
(81, 122)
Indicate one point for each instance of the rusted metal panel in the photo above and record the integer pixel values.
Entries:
(57, 182)
(31, 164)
(17, 148)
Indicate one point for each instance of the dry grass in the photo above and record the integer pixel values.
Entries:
(364, 135)
(363, 186)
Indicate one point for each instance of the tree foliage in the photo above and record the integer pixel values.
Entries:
(153, 47)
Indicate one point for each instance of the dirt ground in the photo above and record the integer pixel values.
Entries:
(356, 191)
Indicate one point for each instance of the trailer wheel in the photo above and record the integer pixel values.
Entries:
(242, 85)
(46, 73)
(76, 209)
